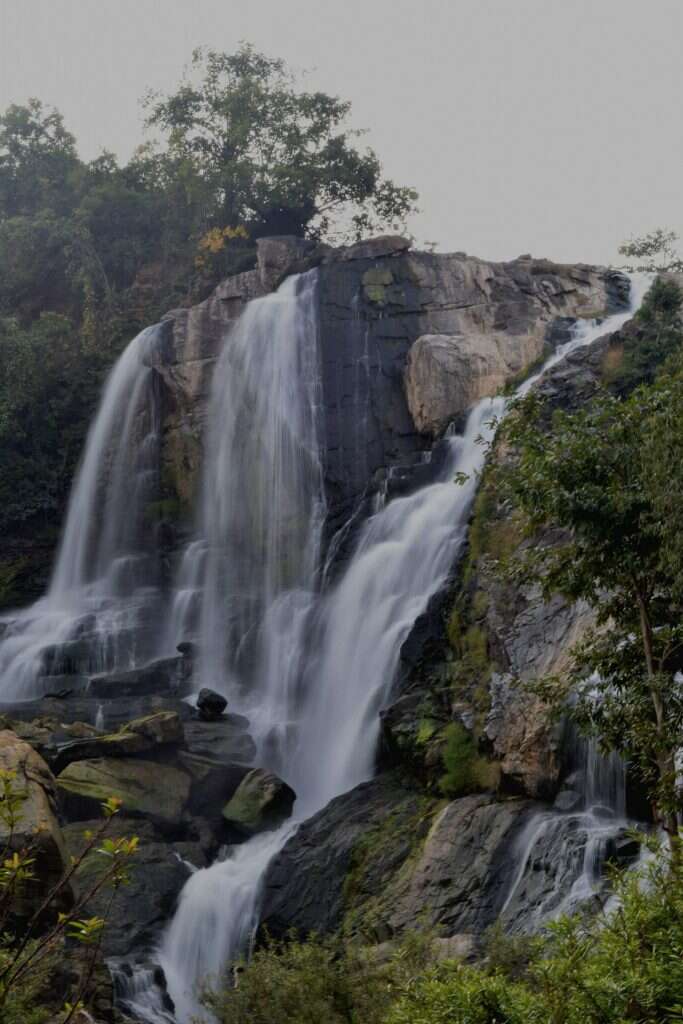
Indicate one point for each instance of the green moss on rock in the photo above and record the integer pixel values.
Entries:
(262, 801)
(143, 787)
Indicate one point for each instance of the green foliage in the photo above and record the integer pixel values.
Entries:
(318, 980)
(606, 481)
(623, 965)
(248, 146)
(28, 956)
(92, 252)
(465, 771)
(658, 336)
(654, 252)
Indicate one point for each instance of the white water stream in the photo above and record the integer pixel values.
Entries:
(262, 512)
(103, 581)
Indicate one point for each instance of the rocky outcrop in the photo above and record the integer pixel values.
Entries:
(310, 884)
(140, 786)
(35, 828)
(140, 736)
(210, 704)
(156, 874)
(262, 801)
(384, 859)
(499, 339)
(384, 385)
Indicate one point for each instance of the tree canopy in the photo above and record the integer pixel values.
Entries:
(91, 252)
(250, 148)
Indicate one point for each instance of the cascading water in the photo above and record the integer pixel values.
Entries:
(329, 691)
(103, 583)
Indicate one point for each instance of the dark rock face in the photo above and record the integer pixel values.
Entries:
(157, 874)
(383, 859)
(305, 883)
(211, 704)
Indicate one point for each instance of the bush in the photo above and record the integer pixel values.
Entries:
(319, 981)
(622, 965)
(465, 770)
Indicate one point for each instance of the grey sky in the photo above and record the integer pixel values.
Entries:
(546, 126)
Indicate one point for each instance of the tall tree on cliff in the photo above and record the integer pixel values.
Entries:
(249, 148)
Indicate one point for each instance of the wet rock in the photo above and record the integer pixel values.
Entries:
(225, 740)
(567, 800)
(143, 788)
(213, 783)
(211, 705)
(262, 801)
(163, 676)
(140, 736)
(381, 859)
(157, 873)
(462, 874)
(187, 649)
(37, 828)
(324, 870)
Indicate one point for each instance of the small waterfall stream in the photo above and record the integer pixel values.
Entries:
(314, 705)
(103, 584)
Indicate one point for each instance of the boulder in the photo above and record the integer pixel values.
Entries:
(140, 736)
(382, 859)
(213, 782)
(262, 801)
(210, 704)
(142, 787)
(163, 728)
(37, 828)
(374, 248)
(226, 739)
(156, 873)
(447, 374)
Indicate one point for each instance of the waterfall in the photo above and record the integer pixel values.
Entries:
(102, 582)
(310, 669)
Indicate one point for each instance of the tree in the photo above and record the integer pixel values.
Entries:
(250, 149)
(39, 166)
(604, 483)
(655, 252)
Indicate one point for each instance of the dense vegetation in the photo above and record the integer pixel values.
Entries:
(606, 482)
(623, 965)
(90, 252)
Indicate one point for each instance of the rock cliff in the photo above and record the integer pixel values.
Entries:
(409, 341)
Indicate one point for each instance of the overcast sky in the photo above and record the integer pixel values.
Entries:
(546, 126)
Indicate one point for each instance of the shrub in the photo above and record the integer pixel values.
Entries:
(465, 770)
(319, 980)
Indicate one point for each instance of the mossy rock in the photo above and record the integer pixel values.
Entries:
(140, 736)
(262, 801)
(141, 786)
